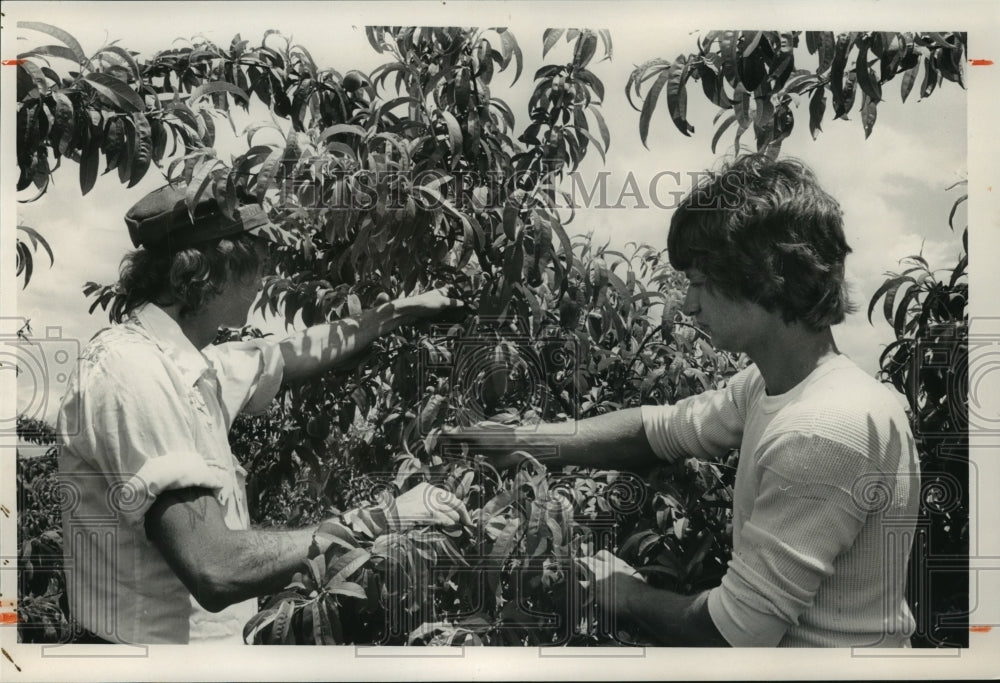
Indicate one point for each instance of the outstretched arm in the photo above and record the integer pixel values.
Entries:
(706, 425)
(616, 440)
(322, 347)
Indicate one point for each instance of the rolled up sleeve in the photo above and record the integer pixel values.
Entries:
(249, 374)
(804, 516)
(135, 431)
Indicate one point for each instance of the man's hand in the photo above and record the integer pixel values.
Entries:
(334, 345)
(610, 579)
(426, 504)
(430, 304)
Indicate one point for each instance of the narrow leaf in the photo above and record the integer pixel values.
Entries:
(817, 107)
(58, 33)
(115, 91)
(677, 95)
(649, 105)
(549, 39)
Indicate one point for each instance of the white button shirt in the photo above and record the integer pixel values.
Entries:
(144, 413)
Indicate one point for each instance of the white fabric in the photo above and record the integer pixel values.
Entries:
(144, 413)
(824, 507)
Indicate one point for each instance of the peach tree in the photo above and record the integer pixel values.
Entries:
(416, 175)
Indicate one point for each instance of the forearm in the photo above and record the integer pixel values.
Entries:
(252, 563)
(669, 618)
(222, 566)
(322, 347)
(615, 440)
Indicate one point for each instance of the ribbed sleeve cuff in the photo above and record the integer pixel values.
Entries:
(740, 625)
(655, 427)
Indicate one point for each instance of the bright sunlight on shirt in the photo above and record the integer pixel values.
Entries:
(824, 509)
(147, 412)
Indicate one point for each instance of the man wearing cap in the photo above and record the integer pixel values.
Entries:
(157, 539)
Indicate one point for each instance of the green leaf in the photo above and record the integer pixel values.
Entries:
(890, 297)
(510, 214)
(268, 172)
(36, 240)
(348, 588)
(143, 148)
(127, 151)
(454, 130)
(866, 77)
(586, 46)
(592, 81)
(677, 95)
(817, 107)
(930, 77)
(346, 565)
(510, 48)
(206, 89)
(711, 84)
(257, 623)
(282, 623)
(57, 33)
(649, 105)
(597, 144)
(869, 111)
(90, 159)
(721, 130)
(826, 49)
(752, 43)
(909, 78)
(728, 49)
(899, 321)
(60, 51)
(115, 91)
(891, 283)
(549, 39)
(954, 208)
(837, 67)
(125, 55)
(316, 567)
(557, 227)
(741, 106)
(65, 121)
(342, 129)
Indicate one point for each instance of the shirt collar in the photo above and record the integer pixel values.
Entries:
(169, 337)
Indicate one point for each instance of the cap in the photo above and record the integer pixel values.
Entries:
(162, 218)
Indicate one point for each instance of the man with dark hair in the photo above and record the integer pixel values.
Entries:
(826, 490)
(156, 533)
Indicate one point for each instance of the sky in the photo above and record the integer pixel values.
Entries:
(891, 186)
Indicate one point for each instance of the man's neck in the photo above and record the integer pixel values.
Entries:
(790, 355)
(198, 328)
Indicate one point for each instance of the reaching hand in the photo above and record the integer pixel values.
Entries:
(426, 504)
(609, 578)
(432, 303)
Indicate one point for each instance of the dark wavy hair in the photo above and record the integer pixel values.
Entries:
(765, 231)
(189, 276)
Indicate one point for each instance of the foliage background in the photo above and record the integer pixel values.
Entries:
(672, 132)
